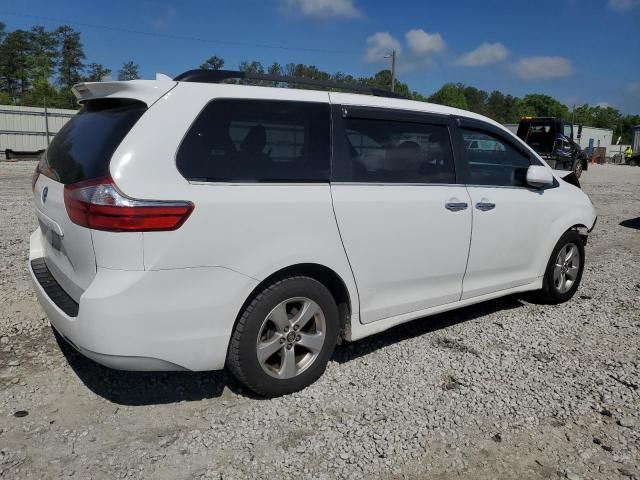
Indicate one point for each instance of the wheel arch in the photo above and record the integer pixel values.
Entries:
(323, 274)
(577, 223)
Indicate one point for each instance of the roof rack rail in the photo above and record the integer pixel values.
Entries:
(218, 76)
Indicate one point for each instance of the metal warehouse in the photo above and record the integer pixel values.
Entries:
(25, 129)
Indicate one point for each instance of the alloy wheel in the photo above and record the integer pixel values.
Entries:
(566, 268)
(291, 337)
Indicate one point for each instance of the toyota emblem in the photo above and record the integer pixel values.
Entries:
(45, 191)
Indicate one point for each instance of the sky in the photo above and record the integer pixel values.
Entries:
(579, 51)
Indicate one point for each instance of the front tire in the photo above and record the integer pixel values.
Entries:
(577, 169)
(564, 269)
(284, 337)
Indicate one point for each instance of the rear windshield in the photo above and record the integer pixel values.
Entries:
(82, 149)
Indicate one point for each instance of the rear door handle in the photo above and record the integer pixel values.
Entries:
(484, 206)
(456, 206)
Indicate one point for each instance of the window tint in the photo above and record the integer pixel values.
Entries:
(397, 152)
(257, 141)
(82, 149)
(493, 161)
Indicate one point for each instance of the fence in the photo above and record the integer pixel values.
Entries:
(26, 131)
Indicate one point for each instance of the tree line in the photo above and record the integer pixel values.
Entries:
(40, 65)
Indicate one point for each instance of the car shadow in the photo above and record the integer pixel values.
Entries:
(155, 388)
(421, 326)
(144, 388)
(631, 223)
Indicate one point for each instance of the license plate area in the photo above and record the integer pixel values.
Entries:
(51, 237)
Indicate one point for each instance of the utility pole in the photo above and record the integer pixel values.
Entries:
(393, 71)
(44, 101)
(46, 118)
(392, 56)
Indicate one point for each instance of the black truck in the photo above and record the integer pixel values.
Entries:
(553, 140)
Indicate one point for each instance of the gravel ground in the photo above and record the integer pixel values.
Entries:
(506, 389)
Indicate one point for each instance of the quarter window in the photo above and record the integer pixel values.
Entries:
(257, 141)
(493, 161)
(398, 152)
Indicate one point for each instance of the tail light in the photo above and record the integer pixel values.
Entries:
(99, 205)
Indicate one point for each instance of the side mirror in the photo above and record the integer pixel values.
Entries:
(539, 176)
(579, 132)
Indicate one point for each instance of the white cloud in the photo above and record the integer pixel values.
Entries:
(381, 44)
(530, 68)
(485, 54)
(623, 5)
(424, 44)
(321, 9)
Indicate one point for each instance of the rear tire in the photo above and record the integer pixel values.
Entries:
(564, 269)
(284, 337)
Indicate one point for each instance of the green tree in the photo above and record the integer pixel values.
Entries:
(538, 105)
(606, 117)
(450, 94)
(275, 69)
(252, 67)
(213, 63)
(96, 72)
(5, 99)
(71, 61)
(128, 71)
(41, 93)
(15, 51)
(382, 79)
(476, 100)
(44, 54)
(624, 128)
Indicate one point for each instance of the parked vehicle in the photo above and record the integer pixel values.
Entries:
(633, 160)
(554, 141)
(193, 225)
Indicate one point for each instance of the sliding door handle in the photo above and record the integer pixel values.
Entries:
(456, 206)
(484, 206)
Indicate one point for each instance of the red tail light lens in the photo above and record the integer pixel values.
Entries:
(99, 205)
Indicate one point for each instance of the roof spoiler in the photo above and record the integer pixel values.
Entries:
(147, 91)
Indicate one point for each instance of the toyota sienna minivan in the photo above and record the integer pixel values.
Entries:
(192, 224)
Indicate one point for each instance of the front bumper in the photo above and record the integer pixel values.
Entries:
(151, 320)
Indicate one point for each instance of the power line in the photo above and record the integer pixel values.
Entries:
(181, 37)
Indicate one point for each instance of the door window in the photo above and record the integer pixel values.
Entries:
(388, 151)
(257, 141)
(493, 161)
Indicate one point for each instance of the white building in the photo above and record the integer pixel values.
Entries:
(24, 129)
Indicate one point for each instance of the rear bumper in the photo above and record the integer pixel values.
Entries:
(150, 320)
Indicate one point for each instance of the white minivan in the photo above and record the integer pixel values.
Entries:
(192, 224)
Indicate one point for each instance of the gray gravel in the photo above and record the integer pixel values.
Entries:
(506, 389)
